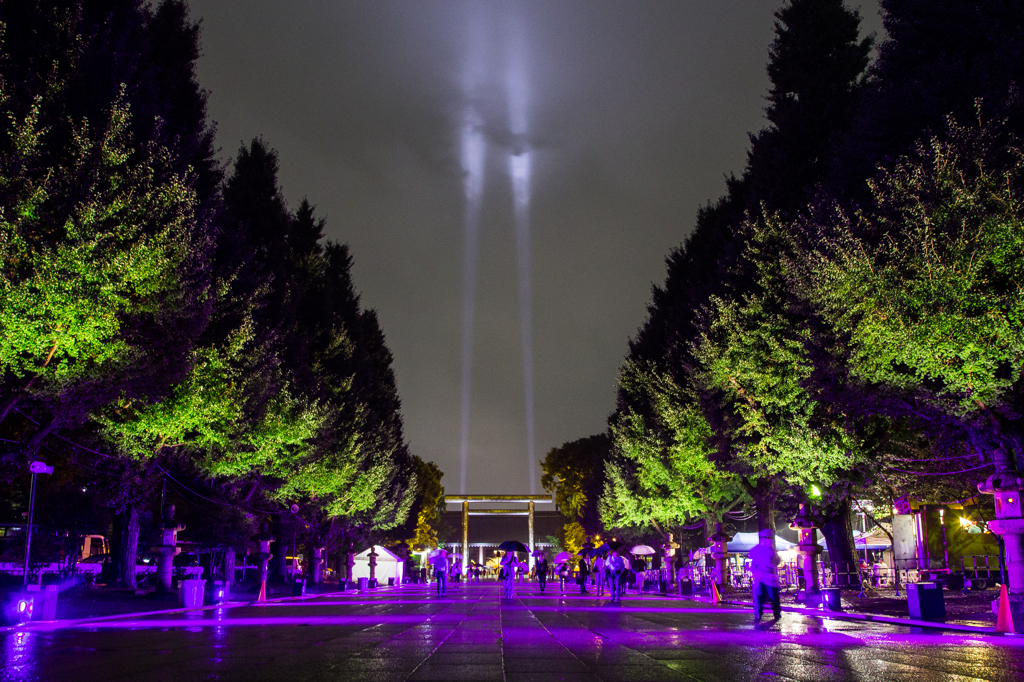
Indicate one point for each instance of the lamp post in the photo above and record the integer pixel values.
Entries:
(35, 468)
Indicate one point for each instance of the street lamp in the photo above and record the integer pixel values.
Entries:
(35, 468)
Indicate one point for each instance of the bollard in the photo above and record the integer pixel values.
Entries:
(925, 601)
(831, 599)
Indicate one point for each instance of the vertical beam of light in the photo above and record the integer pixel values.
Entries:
(473, 154)
(519, 170)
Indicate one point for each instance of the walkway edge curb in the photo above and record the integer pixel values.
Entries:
(59, 624)
(843, 615)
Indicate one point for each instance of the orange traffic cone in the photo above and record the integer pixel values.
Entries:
(1004, 621)
(262, 598)
(716, 597)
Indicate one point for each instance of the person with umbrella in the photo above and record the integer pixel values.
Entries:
(541, 566)
(584, 573)
(763, 560)
(439, 561)
(562, 560)
(510, 565)
(456, 570)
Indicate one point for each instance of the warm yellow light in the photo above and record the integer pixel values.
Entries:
(965, 522)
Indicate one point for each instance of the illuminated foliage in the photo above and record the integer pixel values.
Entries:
(429, 502)
(753, 356)
(924, 287)
(661, 468)
(80, 278)
(574, 473)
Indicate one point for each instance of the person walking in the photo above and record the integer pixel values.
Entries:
(584, 573)
(542, 572)
(509, 566)
(440, 564)
(615, 567)
(599, 574)
(763, 561)
(563, 575)
(456, 573)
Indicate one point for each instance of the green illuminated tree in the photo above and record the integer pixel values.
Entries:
(922, 289)
(88, 285)
(661, 472)
(574, 472)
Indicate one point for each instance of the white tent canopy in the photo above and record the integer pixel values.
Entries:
(389, 565)
(744, 542)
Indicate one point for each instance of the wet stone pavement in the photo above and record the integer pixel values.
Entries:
(473, 634)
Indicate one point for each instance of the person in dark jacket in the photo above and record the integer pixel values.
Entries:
(584, 573)
(542, 571)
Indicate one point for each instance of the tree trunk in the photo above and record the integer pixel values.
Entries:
(126, 546)
(763, 494)
(280, 569)
(764, 505)
(229, 566)
(8, 403)
(838, 532)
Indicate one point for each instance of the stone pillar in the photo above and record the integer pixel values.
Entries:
(465, 531)
(531, 560)
(264, 554)
(720, 553)
(167, 549)
(924, 561)
(481, 561)
(373, 562)
(808, 549)
(1006, 484)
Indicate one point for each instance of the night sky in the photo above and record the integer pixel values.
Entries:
(630, 113)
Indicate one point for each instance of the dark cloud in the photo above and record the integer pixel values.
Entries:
(636, 110)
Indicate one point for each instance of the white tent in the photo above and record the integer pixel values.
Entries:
(389, 565)
(744, 542)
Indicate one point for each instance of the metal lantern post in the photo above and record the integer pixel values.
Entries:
(35, 468)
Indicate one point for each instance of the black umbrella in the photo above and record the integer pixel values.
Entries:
(513, 546)
(600, 551)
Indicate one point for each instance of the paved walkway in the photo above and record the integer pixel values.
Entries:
(473, 634)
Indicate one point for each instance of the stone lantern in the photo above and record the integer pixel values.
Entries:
(1006, 485)
(264, 554)
(167, 549)
(720, 553)
(373, 564)
(350, 562)
(669, 548)
(317, 567)
(808, 549)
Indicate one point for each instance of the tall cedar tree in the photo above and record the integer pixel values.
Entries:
(816, 65)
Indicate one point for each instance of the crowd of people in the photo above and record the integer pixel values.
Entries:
(606, 573)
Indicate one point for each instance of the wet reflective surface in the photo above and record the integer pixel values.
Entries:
(410, 634)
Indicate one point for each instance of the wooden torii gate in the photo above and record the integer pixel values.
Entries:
(465, 500)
